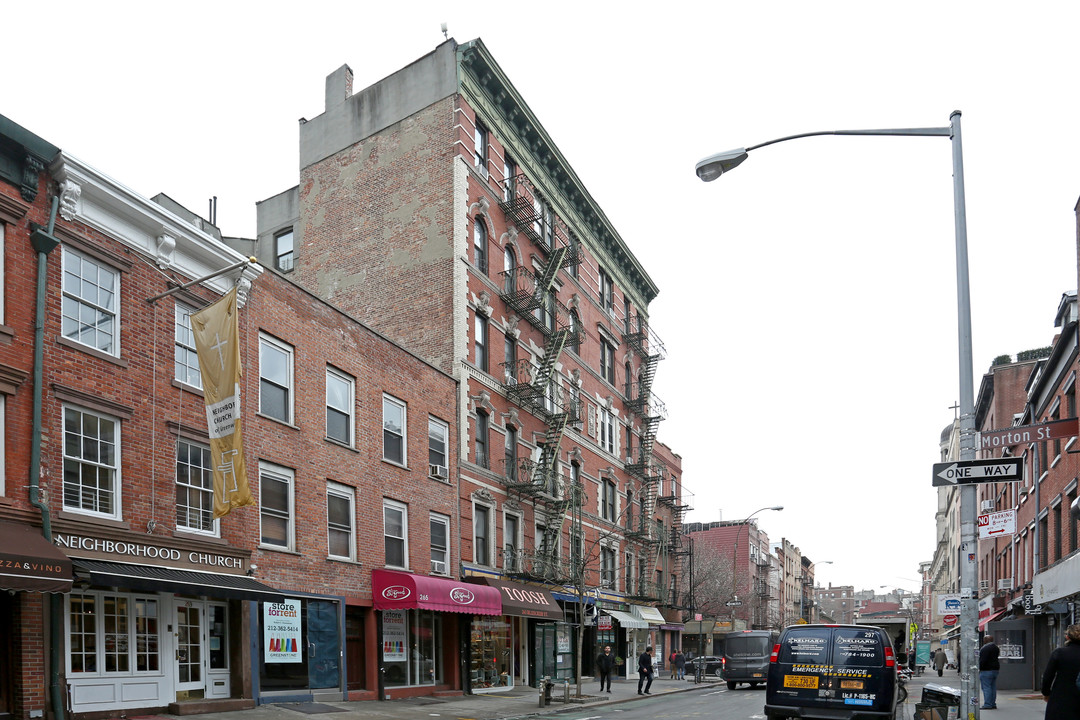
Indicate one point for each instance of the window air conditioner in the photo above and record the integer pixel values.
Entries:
(987, 506)
(984, 584)
(438, 566)
(437, 471)
(1005, 583)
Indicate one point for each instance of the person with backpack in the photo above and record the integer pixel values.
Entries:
(1061, 679)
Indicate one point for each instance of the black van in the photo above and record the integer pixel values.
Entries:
(746, 656)
(839, 672)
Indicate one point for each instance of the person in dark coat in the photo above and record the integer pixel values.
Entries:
(1059, 679)
(989, 666)
(645, 671)
(605, 663)
(680, 665)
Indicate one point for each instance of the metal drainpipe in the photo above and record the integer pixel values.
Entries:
(43, 242)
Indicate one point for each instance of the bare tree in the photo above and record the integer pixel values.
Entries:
(713, 584)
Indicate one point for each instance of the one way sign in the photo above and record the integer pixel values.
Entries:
(965, 472)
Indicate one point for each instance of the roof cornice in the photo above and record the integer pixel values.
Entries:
(484, 83)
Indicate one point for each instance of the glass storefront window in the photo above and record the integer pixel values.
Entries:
(411, 647)
(491, 663)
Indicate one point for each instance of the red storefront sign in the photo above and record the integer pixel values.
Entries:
(393, 590)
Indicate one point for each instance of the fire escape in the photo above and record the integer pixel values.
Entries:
(533, 385)
(650, 411)
(678, 549)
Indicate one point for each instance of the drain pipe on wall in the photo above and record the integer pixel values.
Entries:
(43, 243)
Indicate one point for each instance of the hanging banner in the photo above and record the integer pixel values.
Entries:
(281, 632)
(217, 343)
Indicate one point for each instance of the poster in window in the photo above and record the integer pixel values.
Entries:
(393, 634)
(282, 632)
(562, 638)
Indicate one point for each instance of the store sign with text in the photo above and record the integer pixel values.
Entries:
(282, 632)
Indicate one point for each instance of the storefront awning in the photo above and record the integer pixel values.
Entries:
(394, 590)
(155, 578)
(990, 618)
(30, 562)
(524, 600)
(650, 615)
(627, 620)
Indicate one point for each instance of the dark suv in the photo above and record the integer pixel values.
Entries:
(839, 672)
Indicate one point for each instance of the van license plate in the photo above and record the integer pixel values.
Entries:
(851, 684)
(801, 681)
(758, 675)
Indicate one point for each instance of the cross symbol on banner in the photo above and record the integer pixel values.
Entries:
(217, 346)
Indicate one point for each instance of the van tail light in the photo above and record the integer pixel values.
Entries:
(890, 660)
(775, 653)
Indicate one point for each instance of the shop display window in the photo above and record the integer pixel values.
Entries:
(412, 647)
(491, 661)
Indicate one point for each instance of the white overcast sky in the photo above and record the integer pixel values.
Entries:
(807, 300)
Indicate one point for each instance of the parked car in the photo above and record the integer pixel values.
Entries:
(834, 672)
(713, 665)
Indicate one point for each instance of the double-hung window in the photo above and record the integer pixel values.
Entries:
(395, 533)
(481, 534)
(91, 303)
(607, 292)
(607, 361)
(187, 360)
(275, 379)
(440, 544)
(284, 251)
(194, 488)
(91, 463)
(481, 445)
(607, 500)
(394, 436)
(340, 521)
(511, 528)
(340, 389)
(438, 433)
(480, 342)
(481, 145)
(607, 567)
(480, 242)
(276, 518)
(607, 430)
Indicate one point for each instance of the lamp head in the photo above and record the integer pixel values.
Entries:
(716, 165)
(777, 507)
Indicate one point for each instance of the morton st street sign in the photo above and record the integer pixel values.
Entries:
(966, 472)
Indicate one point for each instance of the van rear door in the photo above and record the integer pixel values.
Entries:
(746, 657)
(862, 675)
(800, 675)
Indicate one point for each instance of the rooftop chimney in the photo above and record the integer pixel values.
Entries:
(338, 86)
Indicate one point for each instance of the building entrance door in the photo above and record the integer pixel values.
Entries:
(202, 649)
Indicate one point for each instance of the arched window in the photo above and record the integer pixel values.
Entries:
(509, 266)
(574, 341)
(479, 244)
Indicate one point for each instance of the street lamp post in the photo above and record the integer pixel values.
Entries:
(714, 166)
(735, 560)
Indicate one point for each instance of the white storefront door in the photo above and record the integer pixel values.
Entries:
(201, 636)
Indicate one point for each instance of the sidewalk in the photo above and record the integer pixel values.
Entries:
(1011, 704)
(518, 702)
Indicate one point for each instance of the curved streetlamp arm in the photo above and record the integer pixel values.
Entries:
(919, 132)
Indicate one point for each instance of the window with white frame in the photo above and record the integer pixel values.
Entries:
(481, 441)
(112, 633)
(481, 534)
(438, 433)
(187, 360)
(91, 463)
(277, 524)
(607, 500)
(275, 378)
(395, 533)
(511, 543)
(340, 394)
(607, 430)
(194, 488)
(340, 521)
(91, 302)
(394, 426)
(480, 342)
(440, 544)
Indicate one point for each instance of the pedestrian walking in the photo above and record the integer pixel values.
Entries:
(645, 671)
(605, 665)
(671, 664)
(939, 661)
(680, 665)
(988, 672)
(1059, 683)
